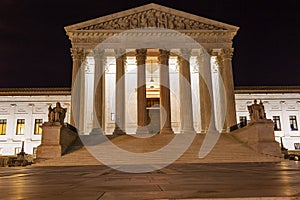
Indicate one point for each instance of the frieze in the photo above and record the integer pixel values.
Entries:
(4, 110)
(39, 109)
(291, 107)
(152, 18)
(21, 110)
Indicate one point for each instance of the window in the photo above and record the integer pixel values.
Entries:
(17, 150)
(38, 126)
(297, 146)
(20, 127)
(2, 126)
(243, 121)
(293, 123)
(277, 126)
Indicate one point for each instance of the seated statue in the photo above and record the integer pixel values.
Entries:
(257, 111)
(57, 114)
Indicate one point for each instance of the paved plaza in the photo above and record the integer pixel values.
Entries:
(177, 181)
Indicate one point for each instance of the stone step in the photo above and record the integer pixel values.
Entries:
(227, 149)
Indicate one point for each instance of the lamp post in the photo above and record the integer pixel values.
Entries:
(21, 156)
(22, 149)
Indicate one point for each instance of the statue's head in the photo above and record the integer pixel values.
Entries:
(57, 104)
(255, 101)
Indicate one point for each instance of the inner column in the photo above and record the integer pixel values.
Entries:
(120, 92)
(186, 106)
(99, 91)
(141, 55)
(165, 108)
(205, 81)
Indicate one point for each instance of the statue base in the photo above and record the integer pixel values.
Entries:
(50, 147)
(56, 139)
(259, 135)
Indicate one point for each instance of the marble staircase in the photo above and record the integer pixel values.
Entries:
(227, 150)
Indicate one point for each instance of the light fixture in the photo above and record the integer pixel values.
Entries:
(151, 78)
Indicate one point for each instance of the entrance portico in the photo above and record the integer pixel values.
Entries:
(114, 88)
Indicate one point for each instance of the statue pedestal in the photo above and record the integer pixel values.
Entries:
(259, 135)
(56, 140)
(50, 147)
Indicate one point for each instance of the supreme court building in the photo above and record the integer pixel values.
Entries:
(152, 64)
(148, 70)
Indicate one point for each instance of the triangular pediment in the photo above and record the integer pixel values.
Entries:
(151, 15)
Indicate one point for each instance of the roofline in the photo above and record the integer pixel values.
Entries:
(67, 91)
(266, 89)
(34, 91)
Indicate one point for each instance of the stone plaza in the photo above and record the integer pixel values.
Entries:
(177, 181)
(152, 115)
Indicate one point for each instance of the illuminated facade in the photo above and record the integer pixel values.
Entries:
(282, 105)
(137, 89)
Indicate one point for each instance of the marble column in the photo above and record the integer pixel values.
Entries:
(78, 56)
(142, 116)
(225, 68)
(186, 106)
(82, 115)
(120, 92)
(99, 91)
(165, 102)
(206, 98)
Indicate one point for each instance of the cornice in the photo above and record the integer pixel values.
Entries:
(34, 91)
(266, 89)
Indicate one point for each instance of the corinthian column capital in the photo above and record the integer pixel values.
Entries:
(163, 57)
(141, 55)
(227, 53)
(98, 53)
(77, 53)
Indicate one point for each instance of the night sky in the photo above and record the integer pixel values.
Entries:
(35, 51)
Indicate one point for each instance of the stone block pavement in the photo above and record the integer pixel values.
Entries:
(270, 180)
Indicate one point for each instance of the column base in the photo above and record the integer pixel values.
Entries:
(226, 130)
(188, 131)
(97, 131)
(166, 131)
(118, 131)
(142, 130)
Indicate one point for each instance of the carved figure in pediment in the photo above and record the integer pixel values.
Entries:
(161, 19)
(151, 19)
(115, 24)
(170, 21)
(123, 23)
(143, 20)
(178, 23)
(187, 23)
(134, 22)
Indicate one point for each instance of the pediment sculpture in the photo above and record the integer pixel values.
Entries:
(152, 18)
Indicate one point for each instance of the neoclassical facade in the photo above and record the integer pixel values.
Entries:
(152, 63)
(148, 70)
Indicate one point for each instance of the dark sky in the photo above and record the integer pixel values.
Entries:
(34, 49)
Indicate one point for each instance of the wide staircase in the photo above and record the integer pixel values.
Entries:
(227, 150)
